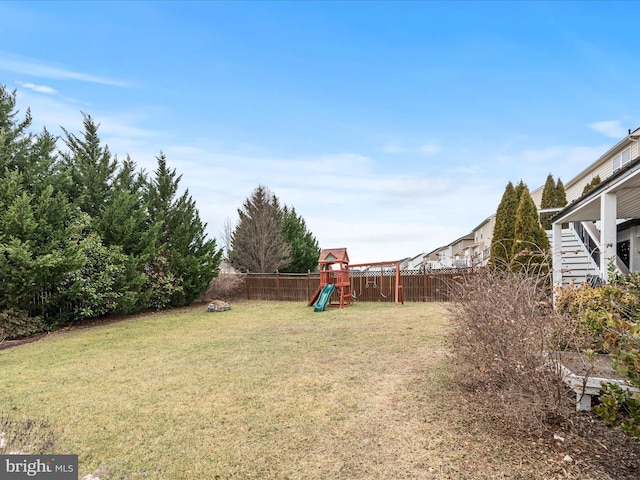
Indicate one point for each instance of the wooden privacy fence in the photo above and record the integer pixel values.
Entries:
(417, 285)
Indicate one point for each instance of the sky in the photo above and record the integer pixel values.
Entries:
(391, 127)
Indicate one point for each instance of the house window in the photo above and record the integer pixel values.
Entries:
(622, 159)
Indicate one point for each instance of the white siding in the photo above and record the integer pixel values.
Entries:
(604, 171)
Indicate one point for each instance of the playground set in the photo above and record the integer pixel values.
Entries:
(335, 278)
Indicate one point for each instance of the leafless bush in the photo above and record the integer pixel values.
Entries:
(33, 437)
(505, 328)
(225, 286)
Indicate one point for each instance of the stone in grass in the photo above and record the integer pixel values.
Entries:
(218, 306)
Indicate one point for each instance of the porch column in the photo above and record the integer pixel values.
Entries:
(608, 233)
(556, 249)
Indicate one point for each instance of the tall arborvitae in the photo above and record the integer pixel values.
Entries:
(502, 242)
(548, 200)
(530, 242)
(561, 195)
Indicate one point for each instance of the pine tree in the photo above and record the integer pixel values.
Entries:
(258, 243)
(304, 246)
(502, 241)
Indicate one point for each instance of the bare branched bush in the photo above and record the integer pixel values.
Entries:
(225, 286)
(505, 330)
(29, 436)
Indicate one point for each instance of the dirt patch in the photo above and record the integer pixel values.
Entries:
(603, 452)
(14, 343)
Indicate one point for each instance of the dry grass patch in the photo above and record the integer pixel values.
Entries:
(264, 391)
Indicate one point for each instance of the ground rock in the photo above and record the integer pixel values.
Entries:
(218, 306)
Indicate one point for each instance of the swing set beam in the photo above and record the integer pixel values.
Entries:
(380, 264)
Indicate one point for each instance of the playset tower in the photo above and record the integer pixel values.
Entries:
(334, 276)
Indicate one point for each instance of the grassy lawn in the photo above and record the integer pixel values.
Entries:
(264, 391)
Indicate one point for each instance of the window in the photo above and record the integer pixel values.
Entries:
(622, 159)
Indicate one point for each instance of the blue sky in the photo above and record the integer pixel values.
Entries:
(391, 127)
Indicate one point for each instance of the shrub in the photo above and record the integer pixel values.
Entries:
(29, 436)
(611, 313)
(225, 286)
(15, 324)
(504, 328)
(619, 407)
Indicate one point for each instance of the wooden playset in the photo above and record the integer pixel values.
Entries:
(334, 277)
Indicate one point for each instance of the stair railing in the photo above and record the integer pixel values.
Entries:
(585, 231)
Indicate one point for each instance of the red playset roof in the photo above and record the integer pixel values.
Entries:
(333, 255)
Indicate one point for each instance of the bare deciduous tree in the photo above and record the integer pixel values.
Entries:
(227, 234)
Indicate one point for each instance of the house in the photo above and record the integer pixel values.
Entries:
(414, 263)
(454, 255)
(601, 226)
(596, 228)
(480, 250)
(439, 258)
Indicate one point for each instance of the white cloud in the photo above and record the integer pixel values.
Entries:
(612, 129)
(341, 197)
(429, 149)
(426, 149)
(36, 68)
(38, 88)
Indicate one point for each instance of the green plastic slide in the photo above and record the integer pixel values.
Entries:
(323, 299)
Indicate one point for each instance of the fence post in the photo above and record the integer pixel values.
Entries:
(277, 286)
(424, 285)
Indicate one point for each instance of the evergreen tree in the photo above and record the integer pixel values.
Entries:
(91, 168)
(502, 241)
(549, 193)
(304, 246)
(258, 243)
(38, 253)
(591, 185)
(561, 195)
(113, 199)
(186, 260)
(530, 242)
(549, 199)
(519, 189)
(82, 236)
(15, 139)
(124, 223)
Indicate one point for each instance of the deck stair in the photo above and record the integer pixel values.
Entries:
(577, 263)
